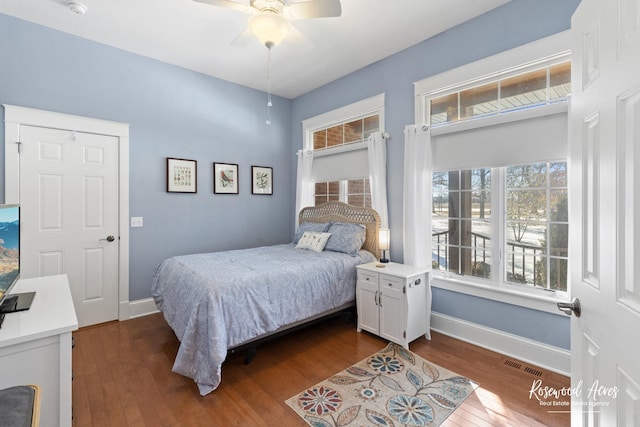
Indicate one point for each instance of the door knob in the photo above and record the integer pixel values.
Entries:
(570, 307)
(109, 239)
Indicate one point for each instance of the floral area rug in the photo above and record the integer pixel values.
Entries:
(393, 387)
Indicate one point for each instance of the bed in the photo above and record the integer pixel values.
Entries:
(220, 301)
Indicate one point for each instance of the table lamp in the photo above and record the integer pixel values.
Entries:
(383, 242)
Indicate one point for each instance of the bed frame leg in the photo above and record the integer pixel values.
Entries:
(251, 353)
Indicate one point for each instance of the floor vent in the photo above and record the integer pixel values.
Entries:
(532, 371)
(512, 364)
(519, 366)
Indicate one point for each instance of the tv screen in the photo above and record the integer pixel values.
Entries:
(9, 247)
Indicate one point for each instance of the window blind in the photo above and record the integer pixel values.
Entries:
(537, 137)
(346, 164)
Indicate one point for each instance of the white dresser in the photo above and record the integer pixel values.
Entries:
(394, 301)
(35, 346)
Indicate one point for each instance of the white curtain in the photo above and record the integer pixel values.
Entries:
(304, 184)
(417, 196)
(377, 152)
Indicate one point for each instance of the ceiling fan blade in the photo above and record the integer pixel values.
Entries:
(244, 38)
(299, 42)
(229, 5)
(315, 9)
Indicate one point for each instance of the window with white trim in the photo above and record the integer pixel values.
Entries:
(534, 223)
(511, 90)
(499, 140)
(339, 140)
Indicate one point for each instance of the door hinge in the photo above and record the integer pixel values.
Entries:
(404, 289)
(19, 146)
(404, 334)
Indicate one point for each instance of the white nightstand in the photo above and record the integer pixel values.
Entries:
(394, 301)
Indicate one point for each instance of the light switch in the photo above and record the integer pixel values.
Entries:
(136, 221)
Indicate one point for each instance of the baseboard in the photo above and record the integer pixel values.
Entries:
(139, 308)
(542, 355)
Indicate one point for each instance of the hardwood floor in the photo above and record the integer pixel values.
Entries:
(122, 377)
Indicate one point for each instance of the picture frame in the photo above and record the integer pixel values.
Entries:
(261, 180)
(182, 175)
(225, 178)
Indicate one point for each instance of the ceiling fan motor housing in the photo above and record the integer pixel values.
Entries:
(273, 6)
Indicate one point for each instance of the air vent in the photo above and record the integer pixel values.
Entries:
(513, 364)
(519, 366)
(536, 372)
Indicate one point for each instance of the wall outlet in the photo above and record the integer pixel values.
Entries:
(136, 221)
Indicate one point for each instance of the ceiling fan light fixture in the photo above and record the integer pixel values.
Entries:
(270, 28)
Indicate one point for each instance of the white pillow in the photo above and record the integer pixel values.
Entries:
(313, 240)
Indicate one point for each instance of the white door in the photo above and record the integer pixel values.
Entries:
(605, 212)
(69, 199)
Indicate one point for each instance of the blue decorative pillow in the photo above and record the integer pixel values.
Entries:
(319, 227)
(346, 237)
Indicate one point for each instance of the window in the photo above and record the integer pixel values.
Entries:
(327, 191)
(508, 91)
(467, 232)
(345, 133)
(353, 191)
(537, 225)
(462, 222)
(498, 131)
(338, 138)
(359, 193)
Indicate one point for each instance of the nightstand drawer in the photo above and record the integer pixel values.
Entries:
(391, 282)
(365, 276)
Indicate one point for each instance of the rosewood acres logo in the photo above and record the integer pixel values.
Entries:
(596, 395)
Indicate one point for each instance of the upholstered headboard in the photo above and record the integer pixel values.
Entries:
(342, 212)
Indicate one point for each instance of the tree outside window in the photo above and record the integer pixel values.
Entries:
(462, 222)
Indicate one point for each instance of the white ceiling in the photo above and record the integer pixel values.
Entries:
(198, 37)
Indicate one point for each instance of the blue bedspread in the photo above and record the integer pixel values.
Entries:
(216, 301)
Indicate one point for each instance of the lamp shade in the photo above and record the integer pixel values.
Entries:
(270, 28)
(384, 237)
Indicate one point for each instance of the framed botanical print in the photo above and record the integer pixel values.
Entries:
(182, 175)
(225, 178)
(261, 180)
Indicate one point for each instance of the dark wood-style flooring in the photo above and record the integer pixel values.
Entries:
(122, 377)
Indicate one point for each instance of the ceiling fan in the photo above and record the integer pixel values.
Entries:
(270, 20)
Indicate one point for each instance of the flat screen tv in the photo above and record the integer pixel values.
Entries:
(10, 262)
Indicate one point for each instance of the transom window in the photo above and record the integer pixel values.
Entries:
(538, 87)
(356, 130)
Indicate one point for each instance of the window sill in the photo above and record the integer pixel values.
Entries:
(529, 298)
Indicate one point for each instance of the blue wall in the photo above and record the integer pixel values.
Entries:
(517, 22)
(173, 113)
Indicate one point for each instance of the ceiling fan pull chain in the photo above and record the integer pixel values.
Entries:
(269, 103)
